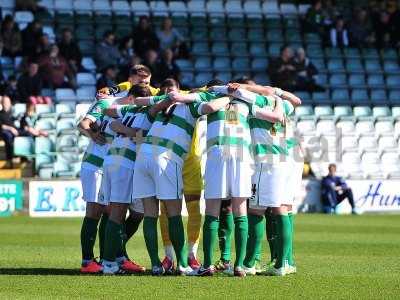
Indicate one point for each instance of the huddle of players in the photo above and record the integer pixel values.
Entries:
(144, 153)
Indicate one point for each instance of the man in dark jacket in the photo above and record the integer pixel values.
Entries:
(334, 190)
(283, 71)
(30, 86)
(69, 49)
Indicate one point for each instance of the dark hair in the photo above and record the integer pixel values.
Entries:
(243, 79)
(331, 165)
(107, 33)
(140, 90)
(169, 82)
(214, 81)
(66, 29)
(141, 70)
(283, 48)
(108, 67)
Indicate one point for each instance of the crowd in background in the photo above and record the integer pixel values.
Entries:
(376, 25)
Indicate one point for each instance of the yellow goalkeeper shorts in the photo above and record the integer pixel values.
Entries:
(192, 179)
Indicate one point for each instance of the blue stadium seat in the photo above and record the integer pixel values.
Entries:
(201, 79)
(67, 142)
(382, 113)
(184, 64)
(256, 35)
(45, 110)
(319, 63)
(324, 112)
(362, 112)
(220, 48)
(261, 78)
(199, 33)
(389, 53)
(357, 80)
(18, 109)
(354, 65)
(379, 97)
(335, 65)
(321, 98)
(218, 34)
(200, 48)
(338, 80)
(391, 67)
(66, 125)
(47, 124)
(305, 97)
(187, 79)
(275, 35)
(222, 64)
(224, 76)
(333, 53)
(240, 64)
(370, 53)
(44, 145)
(375, 80)
(23, 146)
(203, 64)
(239, 49)
(340, 96)
(257, 49)
(393, 81)
(237, 34)
(274, 49)
(259, 64)
(342, 111)
(314, 51)
(373, 66)
(305, 112)
(394, 97)
(43, 161)
(351, 52)
(359, 97)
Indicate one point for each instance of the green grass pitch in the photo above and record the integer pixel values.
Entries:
(338, 257)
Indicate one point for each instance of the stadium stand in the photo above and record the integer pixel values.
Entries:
(228, 39)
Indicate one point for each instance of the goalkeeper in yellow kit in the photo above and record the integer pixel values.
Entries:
(192, 178)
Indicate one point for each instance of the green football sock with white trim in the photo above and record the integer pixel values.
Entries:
(241, 233)
(283, 240)
(210, 234)
(88, 237)
(151, 239)
(256, 232)
(177, 237)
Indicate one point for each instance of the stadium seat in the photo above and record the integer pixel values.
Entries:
(354, 65)
(220, 48)
(234, 7)
(333, 53)
(306, 126)
(274, 49)
(252, 7)
(270, 7)
(393, 81)
(288, 9)
(200, 48)
(18, 109)
(224, 76)
(64, 110)
(347, 127)
(381, 112)
(335, 65)
(257, 49)
(195, 6)
(239, 49)
(373, 66)
(83, 143)
(237, 34)
(43, 161)
(389, 53)
(87, 47)
(340, 96)
(184, 64)
(67, 142)
(351, 52)
(177, 7)
(85, 79)
(362, 111)
(44, 145)
(215, 7)
(275, 35)
(349, 143)
(338, 81)
(222, 64)
(342, 112)
(375, 80)
(367, 143)
(391, 67)
(187, 79)
(370, 53)
(121, 7)
(83, 6)
(259, 64)
(65, 95)
(85, 93)
(240, 64)
(357, 81)
(201, 79)
(262, 79)
(384, 127)
(101, 6)
(45, 110)
(88, 63)
(359, 97)
(326, 127)
(256, 35)
(365, 128)
(203, 64)
(23, 146)
(23, 17)
(323, 112)
(304, 112)
(396, 112)
(65, 126)
(387, 143)
(47, 124)
(370, 164)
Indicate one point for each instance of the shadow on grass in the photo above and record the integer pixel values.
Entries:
(53, 271)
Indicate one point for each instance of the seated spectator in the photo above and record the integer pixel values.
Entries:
(338, 34)
(144, 37)
(314, 19)
(329, 13)
(41, 47)
(54, 68)
(306, 72)
(27, 123)
(170, 38)
(107, 52)
(334, 190)
(384, 31)
(360, 30)
(282, 70)
(30, 85)
(11, 89)
(8, 131)
(126, 50)
(69, 49)
(394, 13)
(167, 68)
(107, 78)
(31, 5)
(30, 38)
(11, 37)
(151, 61)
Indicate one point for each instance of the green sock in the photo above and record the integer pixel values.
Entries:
(225, 235)
(210, 231)
(88, 237)
(131, 225)
(151, 239)
(283, 240)
(256, 232)
(270, 227)
(241, 233)
(102, 233)
(291, 257)
(113, 240)
(177, 236)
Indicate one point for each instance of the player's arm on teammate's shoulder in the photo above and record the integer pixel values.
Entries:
(274, 116)
(182, 97)
(90, 129)
(118, 127)
(156, 108)
(214, 105)
(151, 100)
(111, 112)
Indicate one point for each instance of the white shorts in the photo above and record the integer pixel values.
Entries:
(227, 177)
(157, 176)
(137, 206)
(91, 183)
(117, 184)
(270, 185)
(293, 182)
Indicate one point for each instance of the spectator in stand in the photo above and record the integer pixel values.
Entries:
(31, 5)
(282, 70)
(27, 123)
(338, 35)
(330, 13)
(30, 85)
(125, 69)
(107, 52)
(54, 68)
(170, 38)
(151, 61)
(11, 37)
(11, 90)
(126, 50)
(384, 31)
(144, 37)
(8, 131)
(167, 68)
(306, 72)
(107, 78)
(334, 190)
(394, 12)
(69, 49)
(360, 29)
(41, 47)
(314, 19)
(30, 37)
